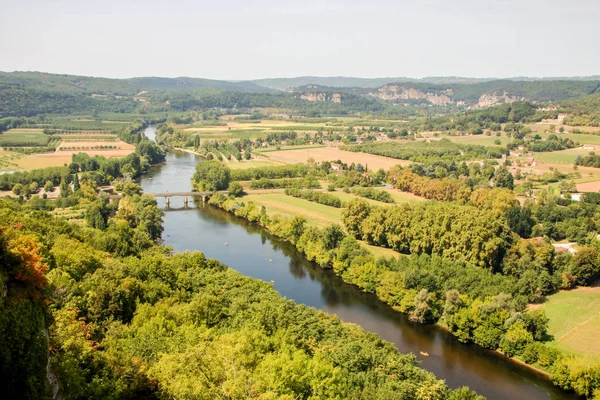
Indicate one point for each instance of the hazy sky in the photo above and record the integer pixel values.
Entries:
(234, 39)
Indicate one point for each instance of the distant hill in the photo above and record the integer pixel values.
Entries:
(480, 94)
(348, 82)
(122, 87)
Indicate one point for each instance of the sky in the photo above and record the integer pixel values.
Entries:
(238, 40)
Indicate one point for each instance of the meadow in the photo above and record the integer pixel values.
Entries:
(574, 319)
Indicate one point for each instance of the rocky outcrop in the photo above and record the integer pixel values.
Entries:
(488, 100)
(320, 96)
(396, 92)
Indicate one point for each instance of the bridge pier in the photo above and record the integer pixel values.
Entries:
(185, 201)
(167, 202)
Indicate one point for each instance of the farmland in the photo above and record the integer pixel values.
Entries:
(574, 319)
(333, 153)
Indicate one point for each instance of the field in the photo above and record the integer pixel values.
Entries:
(279, 203)
(333, 153)
(482, 140)
(315, 214)
(251, 164)
(24, 137)
(567, 156)
(253, 129)
(574, 319)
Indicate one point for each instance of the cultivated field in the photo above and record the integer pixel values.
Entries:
(333, 153)
(574, 319)
(567, 156)
(482, 140)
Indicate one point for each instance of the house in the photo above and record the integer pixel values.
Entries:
(561, 117)
(531, 161)
(576, 196)
(589, 147)
(516, 153)
(336, 167)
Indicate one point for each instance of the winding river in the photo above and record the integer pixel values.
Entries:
(253, 252)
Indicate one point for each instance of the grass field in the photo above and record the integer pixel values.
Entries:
(9, 161)
(567, 156)
(315, 214)
(24, 137)
(575, 319)
(279, 203)
(251, 164)
(481, 140)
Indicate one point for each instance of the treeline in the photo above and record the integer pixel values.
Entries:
(427, 151)
(373, 194)
(316, 197)
(304, 183)
(150, 326)
(476, 304)
(592, 160)
(449, 188)
(276, 172)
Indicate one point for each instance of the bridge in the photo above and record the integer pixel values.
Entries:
(168, 195)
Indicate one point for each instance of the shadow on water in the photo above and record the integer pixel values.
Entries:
(252, 251)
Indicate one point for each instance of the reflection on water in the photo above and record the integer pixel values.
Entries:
(249, 250)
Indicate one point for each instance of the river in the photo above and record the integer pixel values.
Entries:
(253, 252)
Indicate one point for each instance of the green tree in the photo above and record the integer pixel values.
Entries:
(503, 178)
(211, 176)
(49, 187)
(76, 185)
(17, 189)
(235, 189)
(65, 189)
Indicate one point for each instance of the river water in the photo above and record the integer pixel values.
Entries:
(253, 252)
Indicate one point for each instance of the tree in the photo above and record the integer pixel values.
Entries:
(235, 189)
(503, 178)
(65, 189)
(211, 176)
(585, 265)
(49, 187)
(76, 185)
(17, 189)
(515, 339)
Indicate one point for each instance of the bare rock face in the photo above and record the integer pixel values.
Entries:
(488, 100)
(396, 92)
(324, 97)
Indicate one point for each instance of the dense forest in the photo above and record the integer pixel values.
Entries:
(149, 324)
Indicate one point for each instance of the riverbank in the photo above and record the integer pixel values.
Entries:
(248, 213)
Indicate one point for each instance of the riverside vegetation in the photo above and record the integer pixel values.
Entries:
(125, 318)
(469, 270)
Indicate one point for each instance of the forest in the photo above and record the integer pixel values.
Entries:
(146, 323)
(480, 293)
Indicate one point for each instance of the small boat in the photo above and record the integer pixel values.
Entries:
(225, 243)
(272, 282)
(424, 353)
(270, 260)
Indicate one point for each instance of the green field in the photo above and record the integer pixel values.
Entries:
(250, 164)
(577, 137)
(24, 137)
(482, 140)
(567, 156)
(574, 319)
(279, 203)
